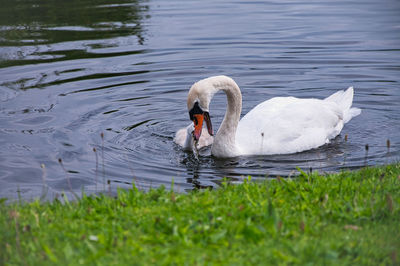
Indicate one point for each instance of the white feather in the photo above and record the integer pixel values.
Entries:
(281, 125)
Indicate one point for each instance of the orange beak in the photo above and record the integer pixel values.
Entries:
(198, 125)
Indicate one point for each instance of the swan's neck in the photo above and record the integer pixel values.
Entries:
(224, 143)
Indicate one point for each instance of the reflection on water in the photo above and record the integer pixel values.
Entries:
(70, 70)
(48, 31)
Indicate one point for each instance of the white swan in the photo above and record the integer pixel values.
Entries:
(280, 125)
(184, 138)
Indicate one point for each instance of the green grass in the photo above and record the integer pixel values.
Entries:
(350, 218)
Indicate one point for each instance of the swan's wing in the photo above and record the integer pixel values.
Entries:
(288, 125)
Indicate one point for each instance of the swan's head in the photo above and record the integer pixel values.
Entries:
(198, 102)
(197, 115)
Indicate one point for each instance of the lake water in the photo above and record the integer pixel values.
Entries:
(70, 70)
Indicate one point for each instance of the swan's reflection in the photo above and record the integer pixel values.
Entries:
(209, 171)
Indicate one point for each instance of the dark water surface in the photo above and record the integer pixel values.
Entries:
(70, 70)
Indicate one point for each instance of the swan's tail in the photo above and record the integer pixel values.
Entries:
(344, 99)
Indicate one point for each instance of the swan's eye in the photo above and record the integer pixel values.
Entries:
(195, 121)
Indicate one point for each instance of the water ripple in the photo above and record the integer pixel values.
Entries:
(123, 68)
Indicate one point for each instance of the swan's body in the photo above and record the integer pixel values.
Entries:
(184, 138)
(280, 125)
